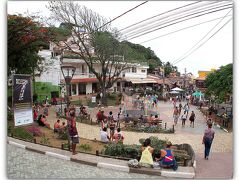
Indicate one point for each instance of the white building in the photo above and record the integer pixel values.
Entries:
(52, 71)
(84, 82)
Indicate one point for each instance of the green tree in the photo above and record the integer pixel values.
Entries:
(93, 41)
(145, 55)
(169, 68)
(220, 82)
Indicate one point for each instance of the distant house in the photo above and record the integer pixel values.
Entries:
(200, 80)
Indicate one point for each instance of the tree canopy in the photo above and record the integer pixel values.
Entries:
(93, 40)
(145, 55)
(220, 82)
(25, 36)
(169, 68)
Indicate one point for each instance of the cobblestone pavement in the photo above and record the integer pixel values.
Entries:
(193, 136)
(25, 164)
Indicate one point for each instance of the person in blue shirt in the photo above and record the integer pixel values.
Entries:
(167, 158)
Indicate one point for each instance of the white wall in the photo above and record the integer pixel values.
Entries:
(52, 72)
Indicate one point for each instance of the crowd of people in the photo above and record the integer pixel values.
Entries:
(110, 131)
(177, 114)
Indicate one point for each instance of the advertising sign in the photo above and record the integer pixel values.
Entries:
(93, 99)
(22, 99)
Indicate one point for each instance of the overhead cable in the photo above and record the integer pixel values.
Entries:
(173, 23)
(121, 15)
(192, 49)
(172, 17)
(180, 30)
(158, 15)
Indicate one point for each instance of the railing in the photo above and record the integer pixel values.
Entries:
(83, 75)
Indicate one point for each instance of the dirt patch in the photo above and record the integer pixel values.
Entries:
(49, 138)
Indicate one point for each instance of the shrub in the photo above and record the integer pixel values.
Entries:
(63, 135)
(85, 147)
(35, 131)
(121, 150)
(22, 133)
(45, 140)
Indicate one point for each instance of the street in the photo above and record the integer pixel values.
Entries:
(25, 164)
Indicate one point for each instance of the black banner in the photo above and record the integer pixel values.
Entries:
(22, 99)
(22, 89)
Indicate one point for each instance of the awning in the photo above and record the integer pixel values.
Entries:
(141, 80)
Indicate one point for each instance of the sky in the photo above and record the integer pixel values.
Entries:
(211, 54)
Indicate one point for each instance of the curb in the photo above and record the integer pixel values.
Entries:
(122, 168)
(221, 127)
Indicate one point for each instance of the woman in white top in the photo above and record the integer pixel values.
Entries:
(184, 118)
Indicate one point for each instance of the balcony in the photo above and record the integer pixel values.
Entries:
(83, 75)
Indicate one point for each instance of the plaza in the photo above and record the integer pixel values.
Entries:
(138, 102)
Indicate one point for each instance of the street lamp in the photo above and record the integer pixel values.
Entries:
(68, 72)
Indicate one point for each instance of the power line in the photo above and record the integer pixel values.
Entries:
(176, 23)
(121, 15)
(181, 29)
(157, 16)
(147, 25)
(202, 37)
(204, 42)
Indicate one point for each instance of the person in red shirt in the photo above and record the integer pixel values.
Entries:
(35, 115)
(57, 126)
(118, 136)
(44, 121)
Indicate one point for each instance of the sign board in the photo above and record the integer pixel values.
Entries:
(93, 99)
(22, 99)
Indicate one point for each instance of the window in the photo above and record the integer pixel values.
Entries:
(83, 69)
(143, 70)
(134, 70)
(74, 89)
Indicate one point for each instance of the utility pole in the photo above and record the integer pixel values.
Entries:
(184, 78)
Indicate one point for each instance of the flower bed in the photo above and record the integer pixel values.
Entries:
(184, 153)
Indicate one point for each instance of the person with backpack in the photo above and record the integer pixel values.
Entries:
(192, 119)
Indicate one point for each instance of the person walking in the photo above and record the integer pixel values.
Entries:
(180, 108)
(175, 115)
(208, 139)
(184, 118)
(192, 119)
(186, 108)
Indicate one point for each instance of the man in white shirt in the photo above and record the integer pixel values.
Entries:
(104, 136)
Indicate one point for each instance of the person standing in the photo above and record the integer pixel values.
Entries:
(208, 139)
(192, 119)
(175, 115)
(72, 131)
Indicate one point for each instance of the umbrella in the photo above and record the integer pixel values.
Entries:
(177, 89)
(174, 92)
(197, 93)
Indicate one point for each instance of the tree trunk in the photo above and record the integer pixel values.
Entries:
(104, 95)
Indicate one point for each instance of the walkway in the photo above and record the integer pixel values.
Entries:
(193, 136)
